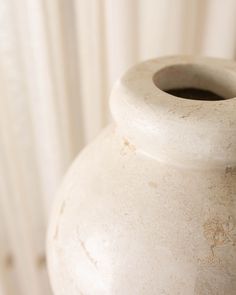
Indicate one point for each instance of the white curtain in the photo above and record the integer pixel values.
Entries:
(58, 62)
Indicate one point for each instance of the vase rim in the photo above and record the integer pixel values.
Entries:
(179, 130)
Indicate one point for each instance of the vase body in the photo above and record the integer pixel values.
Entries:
(149, 207)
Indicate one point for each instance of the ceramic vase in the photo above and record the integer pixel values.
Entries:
(149, 207)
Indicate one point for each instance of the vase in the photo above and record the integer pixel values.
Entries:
(149, 207)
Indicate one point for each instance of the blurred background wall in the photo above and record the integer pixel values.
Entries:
(58, 62)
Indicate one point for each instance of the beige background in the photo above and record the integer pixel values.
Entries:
(58, 61)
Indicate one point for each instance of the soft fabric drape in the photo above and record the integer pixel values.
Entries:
(58, 62)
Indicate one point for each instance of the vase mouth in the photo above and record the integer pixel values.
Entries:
(196, 82)
(149, 107)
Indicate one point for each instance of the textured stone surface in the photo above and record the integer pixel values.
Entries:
(149, 207)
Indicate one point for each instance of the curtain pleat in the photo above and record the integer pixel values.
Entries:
(58, 62)
(219, 35)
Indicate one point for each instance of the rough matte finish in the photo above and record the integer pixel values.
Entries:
(149, 207)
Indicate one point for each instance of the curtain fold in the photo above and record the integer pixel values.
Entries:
(58, 62)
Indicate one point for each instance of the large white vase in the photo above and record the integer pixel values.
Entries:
(149, 208)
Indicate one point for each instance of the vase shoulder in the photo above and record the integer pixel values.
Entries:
(121, 212)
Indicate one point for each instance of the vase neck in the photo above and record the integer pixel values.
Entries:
(196, 129)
